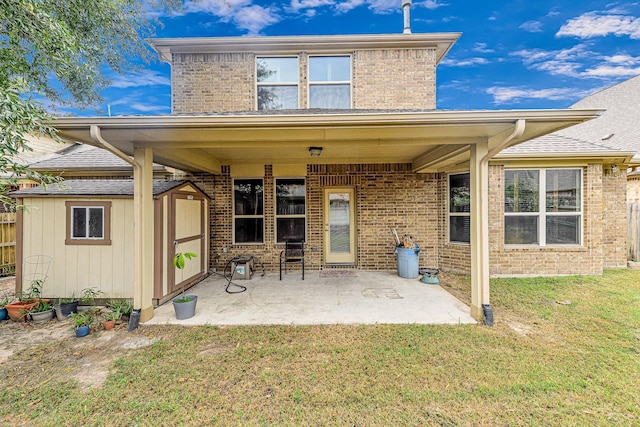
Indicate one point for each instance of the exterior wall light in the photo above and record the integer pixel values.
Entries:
(315, 151)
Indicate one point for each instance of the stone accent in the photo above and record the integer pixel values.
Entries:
(614, 220)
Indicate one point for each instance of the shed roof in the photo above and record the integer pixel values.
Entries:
(97, 187)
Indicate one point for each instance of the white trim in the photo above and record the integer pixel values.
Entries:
(87, 225)
(277, 216)
(331, 82)
(457, 214)
(234, 215)
(257, 84)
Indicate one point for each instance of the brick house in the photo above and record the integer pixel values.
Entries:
(336, 140)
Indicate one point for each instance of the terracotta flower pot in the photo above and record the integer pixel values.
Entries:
(18, 310)
(109, 324)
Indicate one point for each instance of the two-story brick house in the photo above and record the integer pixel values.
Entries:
(336, 140)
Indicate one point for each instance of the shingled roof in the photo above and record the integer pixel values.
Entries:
(96, 187)
(617, 128)
(88, 159)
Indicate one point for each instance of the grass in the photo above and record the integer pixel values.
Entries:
(543, 364)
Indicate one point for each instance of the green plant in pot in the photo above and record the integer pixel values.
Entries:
(82, 323)
(29, 298)
(110, 319)
(184, 305)
(124, 306)
(65, 307)
(87, 297)
(42, 312)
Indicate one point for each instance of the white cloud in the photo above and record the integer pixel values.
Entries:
(309, 4)
(502, 95)
(482, 48)
(595, 24)
(468, 62)
(532, 26)
(242, 13)
(383, 6)
(145, 78)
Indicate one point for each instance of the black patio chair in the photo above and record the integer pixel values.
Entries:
(293, 253)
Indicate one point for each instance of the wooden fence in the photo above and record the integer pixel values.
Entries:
(7, 243)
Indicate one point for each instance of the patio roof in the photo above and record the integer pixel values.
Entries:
(431, 141)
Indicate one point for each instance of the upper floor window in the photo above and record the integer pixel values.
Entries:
(330, 82)
(290, 210)
(277, 80)
(88, 223)
(543, 207)
(460, 208)
(248, 211)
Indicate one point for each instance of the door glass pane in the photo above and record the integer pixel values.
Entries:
(563, 190)
(563, 230)
(339, 223)
(521, 189)
(79, 222)
(95, 223)
(521, 230)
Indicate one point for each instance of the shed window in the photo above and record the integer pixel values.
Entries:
(290, 210)
(248, 215)
(543, 207)
(88, 223)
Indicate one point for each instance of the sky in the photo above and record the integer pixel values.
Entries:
(517, 54)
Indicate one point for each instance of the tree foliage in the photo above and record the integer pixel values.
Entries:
(61, 51)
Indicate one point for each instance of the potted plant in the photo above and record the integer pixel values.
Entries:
(110, 319)
(184, 305)
(124, 306)
(5, 299)
(82, 323)
(42, 312)
(87, 298)
(27, 301)
(65, 307)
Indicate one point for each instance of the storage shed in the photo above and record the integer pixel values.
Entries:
(86, 229)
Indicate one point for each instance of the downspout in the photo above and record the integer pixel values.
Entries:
(518, 131)
(96, 136)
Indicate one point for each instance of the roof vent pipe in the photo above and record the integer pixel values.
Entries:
(406, 5)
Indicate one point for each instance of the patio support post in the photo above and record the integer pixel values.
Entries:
(143, 232)
(479, 172)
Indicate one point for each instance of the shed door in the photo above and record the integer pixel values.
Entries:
(188, 224)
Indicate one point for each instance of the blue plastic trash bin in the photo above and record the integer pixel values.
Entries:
(408, 262)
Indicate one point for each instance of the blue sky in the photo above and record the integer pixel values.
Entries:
(517, 54)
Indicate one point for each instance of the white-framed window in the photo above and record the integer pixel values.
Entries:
(248, 211)
(330, 82)
(277, 83)
(290, 210)
(543, 207)
(88, 223)
(459, 211)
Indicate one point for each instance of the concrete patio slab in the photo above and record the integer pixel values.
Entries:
(367, 298)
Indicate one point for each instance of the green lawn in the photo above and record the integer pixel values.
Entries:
(564, 351)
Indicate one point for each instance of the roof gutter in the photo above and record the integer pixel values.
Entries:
(96, 136)
(518, 131)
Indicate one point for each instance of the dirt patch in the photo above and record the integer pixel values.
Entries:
(52, 348)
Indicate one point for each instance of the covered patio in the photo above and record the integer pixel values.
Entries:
(362, 297)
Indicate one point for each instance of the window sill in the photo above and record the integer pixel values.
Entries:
(548, 248)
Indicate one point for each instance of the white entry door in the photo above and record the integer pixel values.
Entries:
(339, 225)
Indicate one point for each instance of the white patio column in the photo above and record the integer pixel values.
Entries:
(143, 230)
(479, 172)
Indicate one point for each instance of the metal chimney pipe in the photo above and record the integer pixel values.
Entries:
(406, 5)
